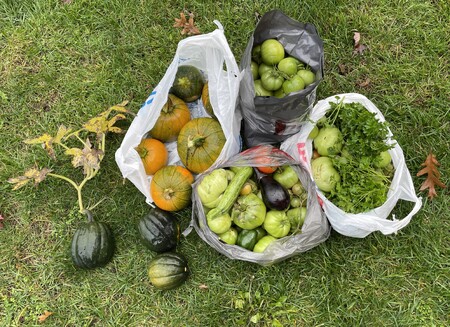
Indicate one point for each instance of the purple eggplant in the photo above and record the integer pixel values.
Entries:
(274, 195)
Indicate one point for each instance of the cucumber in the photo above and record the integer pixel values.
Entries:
(232, 191)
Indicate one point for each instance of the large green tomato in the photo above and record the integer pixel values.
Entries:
(279, 93)
(307, 76)
(263, 68)
(263, 243)
(220, 224)
(325, 175)
(260, 91)
(254, 68)
(272, 52)
(329, 141)
(249, 211)
(230, 236)
(277, 223)
(286, 176)
(212, 186)
(272, 80)
(294, 84)
(288, 65)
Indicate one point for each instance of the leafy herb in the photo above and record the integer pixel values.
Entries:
(363, 186)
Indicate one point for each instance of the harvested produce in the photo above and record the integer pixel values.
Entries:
(205, 100)
(168, 270)
(171, 188)
(188, 83)
(200, 143)
(353, 166)
(159, 230)
(253, 208)
(92, 244)
(174, 115)
(154, 155)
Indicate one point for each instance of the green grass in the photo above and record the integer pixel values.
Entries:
(62, 64)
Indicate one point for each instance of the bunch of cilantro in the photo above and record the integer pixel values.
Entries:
(363, 186)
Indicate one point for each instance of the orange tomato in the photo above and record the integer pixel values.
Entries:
(171, 188)
(267, 169)
(154, 155)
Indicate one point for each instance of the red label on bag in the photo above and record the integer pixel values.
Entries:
(301, 148)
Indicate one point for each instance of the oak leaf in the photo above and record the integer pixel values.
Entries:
(433, 176)
(187, 25)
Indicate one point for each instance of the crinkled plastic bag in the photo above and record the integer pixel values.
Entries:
(212, 55)
(402, 187)
(271, 120)
(315, 229)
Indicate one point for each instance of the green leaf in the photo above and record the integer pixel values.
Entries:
(255, 318)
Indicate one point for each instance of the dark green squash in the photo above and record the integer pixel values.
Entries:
(188, 83)
(159, 230)
(92, 244)
(168, 270)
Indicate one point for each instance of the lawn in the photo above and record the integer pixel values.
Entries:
(63, 62)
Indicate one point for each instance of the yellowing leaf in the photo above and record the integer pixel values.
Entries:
(89, 158)
(44, 316)
(29, 175)
(47, 143)
(62, 131)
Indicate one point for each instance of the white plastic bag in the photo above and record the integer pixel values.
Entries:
(402, 188)
(211, 54)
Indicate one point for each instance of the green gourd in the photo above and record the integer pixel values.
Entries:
(168, 270)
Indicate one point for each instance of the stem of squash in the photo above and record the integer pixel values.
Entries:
(75, 185)
(195, 141)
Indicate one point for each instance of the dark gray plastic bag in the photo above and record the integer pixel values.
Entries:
(315, 229)
(271, 120)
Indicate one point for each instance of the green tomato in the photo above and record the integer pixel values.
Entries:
(307, 76)
(272, 52)
(271, 80)
(248, 211)
(220, 224)
(325, 175)
(294, 84)
(230, 236)
(212, 186)
(288, 65)
(260, 91)
(254, 68)
(256, 54)
(263, 243)
(247, 239)
(286, 176)
(279, 93)
(296, 218)
(312, 135)
(383, 159)
(329, 141)
(263, 68)
(277, 223)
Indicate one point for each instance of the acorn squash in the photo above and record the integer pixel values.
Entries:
(200, 143)
(159, 230)
(168, 270)
(92, 244)
(188, 83)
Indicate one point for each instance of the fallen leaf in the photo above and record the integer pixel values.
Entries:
(187, 25)
(1, 221)
(364, 83)
(203, 287)
(433, 175)
(358, 48)
(44, 316)
(342, 69)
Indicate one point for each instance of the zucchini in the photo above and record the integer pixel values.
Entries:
(232, 191)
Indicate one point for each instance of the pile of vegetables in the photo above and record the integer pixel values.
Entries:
(351, 163)
(199, 141)
(276, 73)
(248, 208)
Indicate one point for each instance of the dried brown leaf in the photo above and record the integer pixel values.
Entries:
(358, 48)
(44, 316)
(203, 287)
(38, 175)
(433, 176)
(89, 158)
(364, 83)
(187, 25)
(1, 221)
